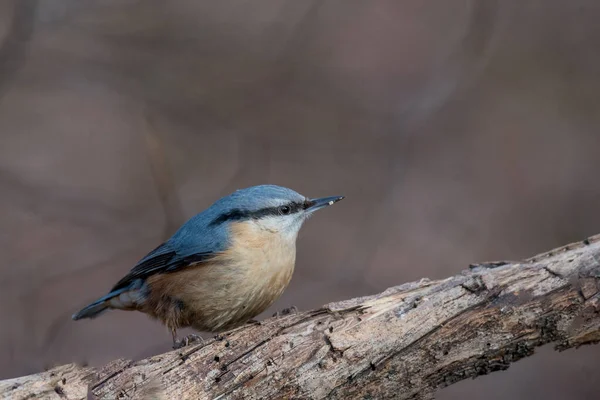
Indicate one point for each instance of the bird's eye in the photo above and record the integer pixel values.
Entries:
(285, 210)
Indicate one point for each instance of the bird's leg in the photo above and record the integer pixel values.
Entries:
(286, 311)
(179, 343)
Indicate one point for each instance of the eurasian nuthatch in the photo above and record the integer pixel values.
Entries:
(222, 268)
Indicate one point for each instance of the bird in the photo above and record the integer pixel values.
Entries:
(221, 268)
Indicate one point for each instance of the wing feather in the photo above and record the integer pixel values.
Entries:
(163, 259)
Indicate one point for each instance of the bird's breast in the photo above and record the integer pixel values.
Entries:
(260, 264)
(267, 257)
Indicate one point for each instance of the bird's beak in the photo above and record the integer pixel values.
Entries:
(316, 204)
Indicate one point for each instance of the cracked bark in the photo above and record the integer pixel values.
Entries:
(404, 343)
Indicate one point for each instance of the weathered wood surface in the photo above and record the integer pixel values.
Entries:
(404, 343)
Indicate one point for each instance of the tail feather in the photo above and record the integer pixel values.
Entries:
(99, 306)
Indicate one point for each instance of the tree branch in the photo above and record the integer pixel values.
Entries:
(404, 343)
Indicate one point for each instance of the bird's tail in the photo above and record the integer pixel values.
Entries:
(111, 300)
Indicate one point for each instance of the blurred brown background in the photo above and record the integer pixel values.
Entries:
(459, 130)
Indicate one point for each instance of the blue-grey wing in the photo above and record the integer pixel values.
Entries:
(161, 260)
(195, 242)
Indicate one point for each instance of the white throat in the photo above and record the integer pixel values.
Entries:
(287, 226)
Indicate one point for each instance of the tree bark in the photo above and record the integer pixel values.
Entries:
(404, 343)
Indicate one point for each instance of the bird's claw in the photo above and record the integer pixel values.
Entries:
(186, 341)
(286, 311)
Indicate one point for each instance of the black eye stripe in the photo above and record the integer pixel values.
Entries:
(240, 215)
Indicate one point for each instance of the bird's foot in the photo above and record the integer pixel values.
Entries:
(186, 341)
(253, 322)
(286, 311)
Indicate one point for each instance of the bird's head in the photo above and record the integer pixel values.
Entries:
(270, 207)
